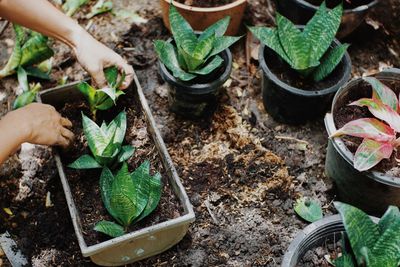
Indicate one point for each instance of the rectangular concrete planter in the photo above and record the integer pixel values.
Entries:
(142, 243)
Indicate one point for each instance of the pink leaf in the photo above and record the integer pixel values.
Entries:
(380, 111)
(367, 128)
(370, 153)
(383, 93)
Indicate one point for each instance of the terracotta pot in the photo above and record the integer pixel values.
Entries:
(202, 17)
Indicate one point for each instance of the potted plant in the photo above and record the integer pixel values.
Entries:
(195, 66)
(364, 164)
(302, 68)
(365, 241)
(114, 211)
(300, 11)
(202, 14)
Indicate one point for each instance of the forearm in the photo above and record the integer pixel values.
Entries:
(43, 17)
(11, 137)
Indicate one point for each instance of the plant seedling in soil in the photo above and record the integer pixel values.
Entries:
(128, 197)
(100, 7)
(105, 143)
(308, 209)
(29, 92)
(71, 6)
(105, 98)
(372, 245)
(30, 48)
(193, 55)
(306, 51)
(379, 133)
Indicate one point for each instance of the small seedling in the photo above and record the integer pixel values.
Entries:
(103, 99)
(307, 51)
(379, 133)
(29, 92)
(193, 55)
(128, 197)
(105, 143)
(372, 245)
(308, 209)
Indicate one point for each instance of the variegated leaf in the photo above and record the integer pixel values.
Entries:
(370, 153)
(391, 215)
(85, 162)
(96, 138)
(120, 131)
(22, 79)
(270, 38)
(106, 181)
(15, 58)
(89, 92)
(383, 93)
(367, 128)
(386, 251)
(330, 62)
(219, 28)
(192, 63)
(222, 43)
(125, 153)
(109, 228)
(182, 31)
(345, 260)
(380, 111)
(214, 63)
(203, 48)
(155, 188)
(35, 50)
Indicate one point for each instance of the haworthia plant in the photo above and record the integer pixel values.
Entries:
(308, 209)
(128, 197)
(29, 92)
(372, 245)
(307, 51)
(105, 143)
(192, 54)
(30, 48)
(379, 133)
(105, 98)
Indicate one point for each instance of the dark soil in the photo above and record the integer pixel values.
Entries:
(344, 113)
(315, 257)
(84, 184)
(206, 3)
(347, 4)
(286, 74)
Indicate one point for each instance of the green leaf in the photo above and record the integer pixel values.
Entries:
(219, 28)
(15, 58)
(391, 215)
(111, 75)
(308, 209)
(346, 260)
(125, 153)
(214, 63)
(167, 55)
(37, 73)
(109, 228)
(293, 43)
(320, 31)
(106, 181)
(23, 79)
(203, 48)
(155, 189)
(222, 43)
(35, 50)
(370, 153)
(90, 94)
(100, 7)
(24, 99)
(182, 31)
(71, 6)
(387, 248)
(270, 38)
(361, 230)
(383, 93)
(120, 131)
(191, 62)
(329, 62)
(95, 136)
(112, 93)
(85, 162)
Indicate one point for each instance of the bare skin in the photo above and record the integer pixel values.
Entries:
(39, 123)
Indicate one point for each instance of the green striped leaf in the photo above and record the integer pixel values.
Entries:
(154, 196)
(85, 162)
(24, 99)
(270, 38)
(16, 55)
(183, 33)
(192, 62)
(214, 64)
(203, 48)
(383, 93)
(345, 260)
(94, 135)
(219, 28)
(35, 50)
(109, 228)
(126, 153)
(391, 215)
(222, 43)
(23, 79)
(330, 62)
(106, 181)
(386, 251)
(167, 55)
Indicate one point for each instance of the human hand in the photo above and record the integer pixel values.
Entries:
(95, 56)
(40, 124)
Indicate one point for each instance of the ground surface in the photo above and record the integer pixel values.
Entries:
(242, 170)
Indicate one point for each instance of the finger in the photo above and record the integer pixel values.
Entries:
(63, 142)
(66, 122)
(98, 77)
(129, 73)
(67, 134)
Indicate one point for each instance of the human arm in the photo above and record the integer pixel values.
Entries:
(35, 123)
(43, 17)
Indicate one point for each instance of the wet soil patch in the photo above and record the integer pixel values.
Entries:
(84, 184)
(206, 3)
(289, 76)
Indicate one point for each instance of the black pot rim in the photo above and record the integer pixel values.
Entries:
(307, 93)
(314, 231)
(199, 88)
(358, 9)
(338, 143)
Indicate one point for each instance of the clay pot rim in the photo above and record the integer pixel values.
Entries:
(358, 9)
(207, 9)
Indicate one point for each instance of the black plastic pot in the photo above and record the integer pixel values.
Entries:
(301, 11)
(292, 105)
(197, 99)
(328, 229)
(370, 191)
